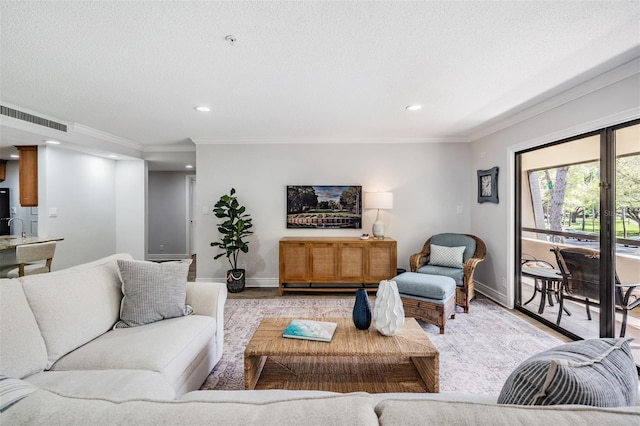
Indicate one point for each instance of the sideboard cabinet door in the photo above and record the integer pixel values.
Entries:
(330, 264)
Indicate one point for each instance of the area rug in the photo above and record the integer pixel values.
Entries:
(477, 352)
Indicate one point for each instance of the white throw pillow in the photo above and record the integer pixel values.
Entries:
(451, 257)
(152, 291)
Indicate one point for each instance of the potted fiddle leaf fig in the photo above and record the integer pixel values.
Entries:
(234, 228)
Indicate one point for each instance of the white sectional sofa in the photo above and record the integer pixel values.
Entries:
(67, 366)
(57, 334)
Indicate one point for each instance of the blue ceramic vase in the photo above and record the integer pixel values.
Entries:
(362, 310)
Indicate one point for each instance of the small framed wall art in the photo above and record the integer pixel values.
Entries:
(488, 186)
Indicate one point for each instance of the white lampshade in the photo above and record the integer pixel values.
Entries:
(378, 200)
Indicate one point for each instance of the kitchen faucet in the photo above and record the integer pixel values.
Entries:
(24, 234)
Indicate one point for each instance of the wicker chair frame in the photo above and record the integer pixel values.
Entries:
(465, 293)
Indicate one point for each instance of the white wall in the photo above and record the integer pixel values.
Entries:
(167, 215)
(131, 202)
(101, 204)
(587, 107)
(429, 181)
(82, 189)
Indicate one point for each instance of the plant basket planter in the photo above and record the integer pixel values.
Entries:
(235, 280)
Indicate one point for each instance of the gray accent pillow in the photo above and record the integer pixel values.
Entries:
(152, 291)
(451, 257)
(596, 372)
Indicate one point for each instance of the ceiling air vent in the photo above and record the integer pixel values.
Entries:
(14, 113)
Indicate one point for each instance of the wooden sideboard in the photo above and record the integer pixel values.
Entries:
(328, 264)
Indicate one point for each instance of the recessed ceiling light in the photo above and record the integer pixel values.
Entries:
(14, 156)
(112, 156)
(188, 166)
(202, 108)
(413, 107)
(52, 142)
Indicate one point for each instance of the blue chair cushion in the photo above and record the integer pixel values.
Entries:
(456, 240)
(455, 273)
(435, 287)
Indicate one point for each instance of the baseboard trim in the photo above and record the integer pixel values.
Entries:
(274, 282)
(493, 294)
(249, 282)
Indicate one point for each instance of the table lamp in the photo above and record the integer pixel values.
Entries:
(379, 201)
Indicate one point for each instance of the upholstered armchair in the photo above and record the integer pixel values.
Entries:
(449, 263)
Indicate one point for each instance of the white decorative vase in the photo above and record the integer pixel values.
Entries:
(388, 313)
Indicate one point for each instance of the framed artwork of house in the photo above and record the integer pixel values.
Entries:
(488, 186)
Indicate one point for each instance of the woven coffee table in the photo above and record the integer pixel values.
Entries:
(354, 361)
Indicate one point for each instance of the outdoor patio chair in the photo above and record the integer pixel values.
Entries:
(580, 270)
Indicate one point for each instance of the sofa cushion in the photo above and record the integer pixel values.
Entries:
(22, 351)
(456, 273)
(446, 413)
(74, 307)
(152, 291)
(451, 257)
(98, 262)
(456, 240)
(598, 372)
(46, 407)
(115, 385)
(170, 347)
(254, 395)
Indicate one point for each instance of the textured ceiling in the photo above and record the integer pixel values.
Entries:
(126, 75)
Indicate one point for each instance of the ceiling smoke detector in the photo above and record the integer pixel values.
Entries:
(231, 39)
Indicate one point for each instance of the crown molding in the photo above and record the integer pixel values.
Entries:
(319, 140)
(107, 137)
(602, 122)
(170, 148)
(620, 73)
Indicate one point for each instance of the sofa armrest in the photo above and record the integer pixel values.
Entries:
(207, 298)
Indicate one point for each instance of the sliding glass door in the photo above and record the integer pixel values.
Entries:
(627, 220)
(578, 244)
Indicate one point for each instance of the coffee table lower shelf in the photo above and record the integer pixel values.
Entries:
(341, 374)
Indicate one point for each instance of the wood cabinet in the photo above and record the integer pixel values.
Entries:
(335, 263)
(28, 175)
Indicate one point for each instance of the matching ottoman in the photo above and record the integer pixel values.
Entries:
(430, 298)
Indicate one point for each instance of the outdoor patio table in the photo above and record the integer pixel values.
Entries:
(551, 280)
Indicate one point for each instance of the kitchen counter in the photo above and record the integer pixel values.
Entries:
(13, 241)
